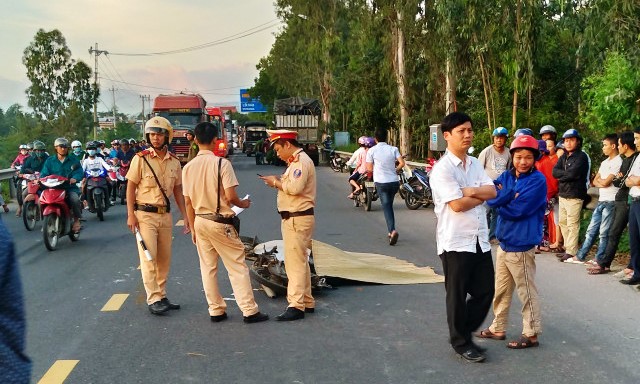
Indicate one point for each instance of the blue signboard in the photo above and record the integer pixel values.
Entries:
(249, 104)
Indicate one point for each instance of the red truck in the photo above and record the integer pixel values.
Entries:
(184, 111)
(215, 115)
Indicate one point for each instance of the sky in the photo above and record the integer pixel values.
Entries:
(144, 26)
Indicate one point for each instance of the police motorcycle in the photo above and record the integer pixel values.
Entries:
(57, 218)
(97, 191)
(417, 190)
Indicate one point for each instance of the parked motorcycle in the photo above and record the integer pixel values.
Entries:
(57, 219)
(31, 206)
(368, 193)
(403, 178)
(336, 162)
(418, 190)
(97, 192)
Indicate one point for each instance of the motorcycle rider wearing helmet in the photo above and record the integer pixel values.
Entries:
(495, 159)
(521, 202)
(78, 153)
(93, 161)
(358, 161)
(571, 170)
(115, 147)
(193, 147)
(33, 164)
(62, 164)
(154, 176)
(548, 132)
(22, 155)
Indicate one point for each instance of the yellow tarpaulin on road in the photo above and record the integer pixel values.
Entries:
(368, 267)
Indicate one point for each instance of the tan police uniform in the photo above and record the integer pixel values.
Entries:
(216, 240)
(296, 200)
(155, 227)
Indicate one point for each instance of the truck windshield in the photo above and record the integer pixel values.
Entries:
(181, 120)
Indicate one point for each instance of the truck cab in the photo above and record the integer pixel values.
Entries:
(254, 131)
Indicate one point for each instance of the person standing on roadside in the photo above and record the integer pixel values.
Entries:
(381, 162)
(209, 187)
(153, 177)
(571, 171)
(296, 201)
(193, 147)
(495, 159)
(460, 187)
(627, 150)
(521, 204)
(602, 216)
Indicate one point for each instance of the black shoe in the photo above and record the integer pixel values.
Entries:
(472, 355)
(631, 281)
(290, 314)
(309, 310)
(479, 348)
(170, 304)
(256, 318)
(158, 308)
(219, 318)
(393, 239)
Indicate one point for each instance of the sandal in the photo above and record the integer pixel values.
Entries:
(487, 334)
(544, 249)
(522, 343)
(598, 270)
(393, 238)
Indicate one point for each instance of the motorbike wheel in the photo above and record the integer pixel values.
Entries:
(402, 192)
(99, 205)
(122, 193)
(368, 196)
(50, 231)
(413, 199)
(30, 213)
(356, 200)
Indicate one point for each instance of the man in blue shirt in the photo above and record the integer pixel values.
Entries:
(61, 164)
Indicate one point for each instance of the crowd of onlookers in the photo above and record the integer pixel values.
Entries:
(567, 170)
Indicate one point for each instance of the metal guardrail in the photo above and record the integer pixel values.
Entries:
(7, 173)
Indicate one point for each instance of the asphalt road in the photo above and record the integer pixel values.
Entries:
(359, 334)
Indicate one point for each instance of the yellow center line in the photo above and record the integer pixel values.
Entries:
(58, 372)
(115, 302)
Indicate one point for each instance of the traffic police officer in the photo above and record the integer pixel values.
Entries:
(209, 190)
(154, 176)
(296, 200)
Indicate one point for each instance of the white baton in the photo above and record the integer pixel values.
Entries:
(143, 245)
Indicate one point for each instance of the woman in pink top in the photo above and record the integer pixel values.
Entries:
(357, 160)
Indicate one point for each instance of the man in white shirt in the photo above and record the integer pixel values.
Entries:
(460, 187)
(602, 216)
(381, 160)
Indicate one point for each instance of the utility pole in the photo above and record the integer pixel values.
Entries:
(95, 52)
(113, 94)
(143, 98)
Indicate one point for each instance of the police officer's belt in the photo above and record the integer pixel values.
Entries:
(151, 208)
(217, 218)
(286, 214)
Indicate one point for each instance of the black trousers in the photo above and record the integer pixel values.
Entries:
(620, 221)
(467, 274)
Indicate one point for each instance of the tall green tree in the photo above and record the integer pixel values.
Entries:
(57, 80)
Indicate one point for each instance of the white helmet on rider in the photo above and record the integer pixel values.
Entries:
(76, 144)
(362, 140)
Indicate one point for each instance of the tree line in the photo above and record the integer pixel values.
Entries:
(404, 64)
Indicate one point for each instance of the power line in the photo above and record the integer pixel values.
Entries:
(204, 92)
(259, 28)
